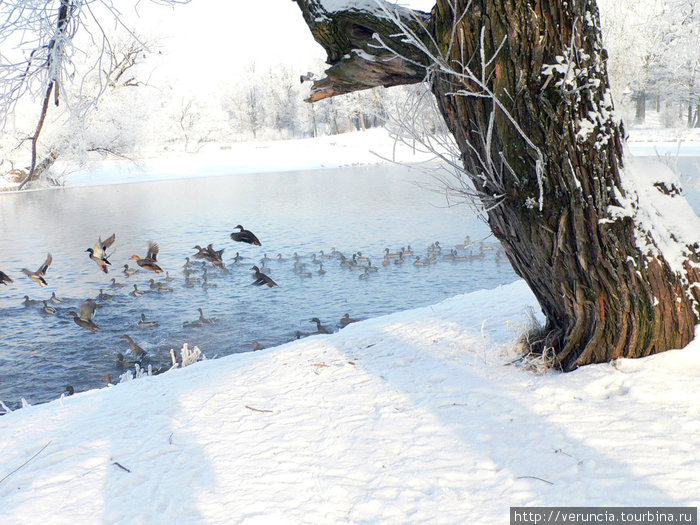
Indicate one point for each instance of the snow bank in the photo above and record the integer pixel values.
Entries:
(416, 417)
(351, 149)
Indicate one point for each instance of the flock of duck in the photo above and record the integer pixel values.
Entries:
(196, 273)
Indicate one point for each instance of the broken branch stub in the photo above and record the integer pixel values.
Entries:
(365, 47)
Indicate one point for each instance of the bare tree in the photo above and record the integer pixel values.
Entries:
(41, 34)
(523, 88)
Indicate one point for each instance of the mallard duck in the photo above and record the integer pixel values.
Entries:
(346, 320)
(104, 296)
(115, 284)
(365, 274)
(280, 258)
(201, 321)
(261, 278)
(320, 329)
(98, 253)
(4, 278)
(87, 312)
(238, 258)
(38, 275)
(129, 271)
(399, 261)
(123, 363)
(30, 302)
(54, 299)
(320, 270)
(201, 252)
(136, 292)
(146, 324)
(48, 308)
(206, 284)
(136, 351)
(418, 262)
(150, 261)
(167, 277)
(246, 236)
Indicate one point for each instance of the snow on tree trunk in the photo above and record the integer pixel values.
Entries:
(523, 88)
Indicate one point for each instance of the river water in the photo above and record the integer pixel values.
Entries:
(363, 209)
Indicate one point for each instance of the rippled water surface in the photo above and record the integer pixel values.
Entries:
(362, 209)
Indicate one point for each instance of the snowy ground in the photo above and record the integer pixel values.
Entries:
(416, 417)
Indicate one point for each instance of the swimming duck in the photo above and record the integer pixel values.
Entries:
(280, 258)
(150, 261)
(399, 261)
(30, 302)
(98, 253)
(167, 277)
(346, 320)
(320, 270)
(38, 276)
(238, 258)
(360, 258)
(136, 292)
(104, 296)
(87, 312)
(261, 278)
(418, 262)
(136, 351)
(54, 299)
(365, 275)
(389, 254)
(146, 324)
(4, 278)
(199, 322)
(256, 346)
(129, 271)
(246, 236)
(69, 390)
(48, 308)
(206, 284)
(123, 363)
(115, 284)
(370, 268)
(320, 329)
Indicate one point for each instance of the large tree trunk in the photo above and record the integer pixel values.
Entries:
(532, 117)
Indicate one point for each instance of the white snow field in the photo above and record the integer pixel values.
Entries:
(416, 417)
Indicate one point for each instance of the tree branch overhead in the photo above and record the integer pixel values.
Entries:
(365, 48)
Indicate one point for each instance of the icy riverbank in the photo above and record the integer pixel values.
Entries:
(416, 417)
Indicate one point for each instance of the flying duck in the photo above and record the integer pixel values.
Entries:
(38, 276)
(261, 278)
(150, 261)
(246, 236)
(98, 253)
(87, 312)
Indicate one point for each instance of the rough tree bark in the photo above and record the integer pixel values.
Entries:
(545, 147)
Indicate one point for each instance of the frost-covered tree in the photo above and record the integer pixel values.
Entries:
(523, 88)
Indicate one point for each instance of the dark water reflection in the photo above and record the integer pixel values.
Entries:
(365, 209)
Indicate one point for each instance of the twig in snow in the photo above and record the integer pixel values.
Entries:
(257, 409)
(534, 477)
(120, 466)
(26, 462)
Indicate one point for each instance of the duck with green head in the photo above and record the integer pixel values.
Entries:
(98, 253)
